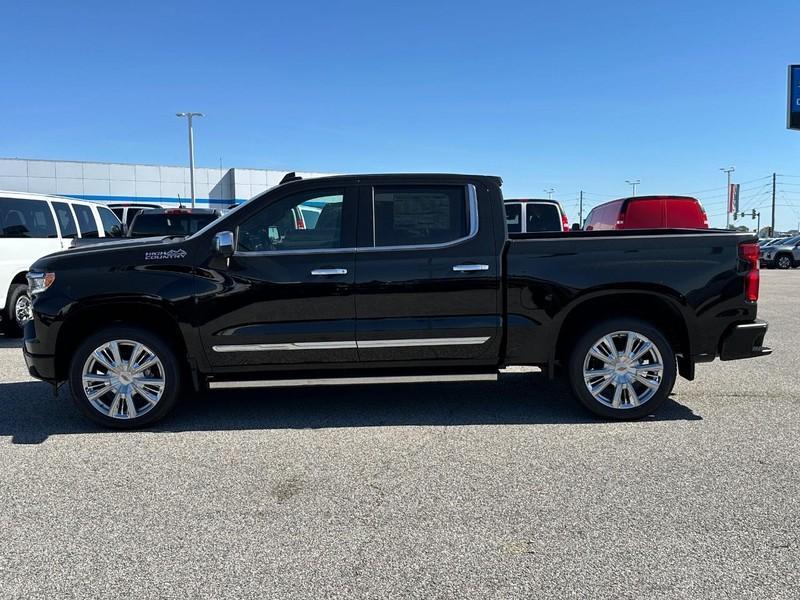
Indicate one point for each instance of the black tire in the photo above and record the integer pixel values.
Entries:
(171, 376)
(784, 261)
(587, 341)
(13, 326)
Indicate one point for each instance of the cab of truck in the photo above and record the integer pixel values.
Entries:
(648, 212)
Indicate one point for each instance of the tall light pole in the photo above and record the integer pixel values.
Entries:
(189, 116)
(549, 192)
(633, 183)
(728, 171)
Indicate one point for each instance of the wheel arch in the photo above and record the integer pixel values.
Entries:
(91, 317)
(657, 309)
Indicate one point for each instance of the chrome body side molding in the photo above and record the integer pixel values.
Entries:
(262, 383)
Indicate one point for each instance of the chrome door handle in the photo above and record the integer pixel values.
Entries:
(323, 272)
(466, 268)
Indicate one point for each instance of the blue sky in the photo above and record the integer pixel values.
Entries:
(568, 95)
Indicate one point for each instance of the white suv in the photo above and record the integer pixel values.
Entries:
(32, 226)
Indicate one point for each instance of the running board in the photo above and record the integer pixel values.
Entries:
(262, 383)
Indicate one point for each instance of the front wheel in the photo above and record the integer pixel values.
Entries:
(124, 377)
(19, 310)
(784, 261)
(622, 369)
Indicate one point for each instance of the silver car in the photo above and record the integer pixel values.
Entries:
(783, 255)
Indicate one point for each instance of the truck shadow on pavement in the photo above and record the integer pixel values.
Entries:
(29, 413)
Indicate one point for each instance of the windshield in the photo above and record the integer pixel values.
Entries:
(150, 224)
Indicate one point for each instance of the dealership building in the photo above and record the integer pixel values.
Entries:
(121, 182)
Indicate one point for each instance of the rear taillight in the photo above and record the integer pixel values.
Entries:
(564, 222)
(748, 252)
(299, 222)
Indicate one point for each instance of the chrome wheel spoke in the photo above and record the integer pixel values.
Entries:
(100, 357)
(653, 385)
(596, 390)
(633, 397)
(113, 410)
(649, 368)
(149, 396)
(114, 346)
(137, 350)
(146, 365)
(629, 343)
(642, 350)
(97, 392)
(617, 398)
(130, 407)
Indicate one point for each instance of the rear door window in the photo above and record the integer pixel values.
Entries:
(65, 220)
(514, 217)
(112, 226)
(21, 218)
(419, 215)
(542, 217)
(86, 221)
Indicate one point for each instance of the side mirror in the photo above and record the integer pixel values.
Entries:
(223, 243)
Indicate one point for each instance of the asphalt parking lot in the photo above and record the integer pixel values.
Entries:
(448, 490)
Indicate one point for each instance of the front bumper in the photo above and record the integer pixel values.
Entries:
(41, 367)
(41, 363)
(745, 340)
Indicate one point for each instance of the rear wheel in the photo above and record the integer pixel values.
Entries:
(124, 377)
(622, 369)
(784, 261)
(18, 309)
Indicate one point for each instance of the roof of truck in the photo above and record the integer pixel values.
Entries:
(291, 177)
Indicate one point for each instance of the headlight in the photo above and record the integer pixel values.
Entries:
(39, 282)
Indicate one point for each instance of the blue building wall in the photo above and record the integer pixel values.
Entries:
(119, 182)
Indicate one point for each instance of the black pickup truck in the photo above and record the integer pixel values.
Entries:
(397, 278)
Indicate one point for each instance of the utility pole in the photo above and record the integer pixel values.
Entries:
(580, 210)
(189, 116)
(728, 171)
(772, 227)
(549, 192)
(633, 183)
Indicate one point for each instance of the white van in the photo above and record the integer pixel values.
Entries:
(32, 226)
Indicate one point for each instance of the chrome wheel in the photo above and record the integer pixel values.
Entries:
(123, 379)
(623, 370)
(23, 310)
(784, 262)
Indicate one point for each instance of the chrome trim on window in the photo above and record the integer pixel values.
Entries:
(401, 343)
(246, 253)
(472, 207)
